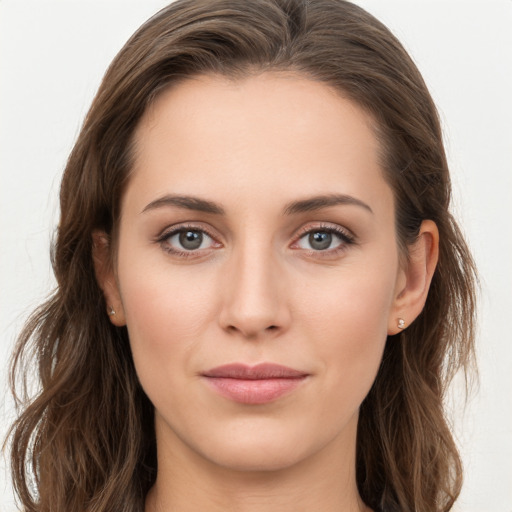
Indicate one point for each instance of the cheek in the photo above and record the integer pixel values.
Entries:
(352, 303)
(349, 320)
(166, 313)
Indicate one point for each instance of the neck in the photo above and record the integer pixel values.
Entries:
(325, 481)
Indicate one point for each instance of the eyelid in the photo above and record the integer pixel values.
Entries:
(346, 236)
(331, 228)
(178, 228)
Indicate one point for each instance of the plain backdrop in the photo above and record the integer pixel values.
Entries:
(52, 57)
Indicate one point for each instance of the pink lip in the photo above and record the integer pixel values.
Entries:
(258, 384)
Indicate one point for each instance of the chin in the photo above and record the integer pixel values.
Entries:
(256, 457)
(261, 449)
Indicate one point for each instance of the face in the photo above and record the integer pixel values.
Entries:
(257, 228)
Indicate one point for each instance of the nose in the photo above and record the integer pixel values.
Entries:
(254, 301)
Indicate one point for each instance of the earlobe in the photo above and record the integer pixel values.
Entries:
(101, 254)
(414, 283)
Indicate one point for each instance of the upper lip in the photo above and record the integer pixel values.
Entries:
(260, 371)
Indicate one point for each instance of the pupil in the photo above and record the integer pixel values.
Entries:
(190, 240)
(320, 240)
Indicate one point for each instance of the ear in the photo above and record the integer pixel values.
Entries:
(413, 281)
(101, 253)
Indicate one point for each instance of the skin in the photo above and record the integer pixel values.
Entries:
(258, 290)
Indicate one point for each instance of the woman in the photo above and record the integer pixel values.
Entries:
(262, 295)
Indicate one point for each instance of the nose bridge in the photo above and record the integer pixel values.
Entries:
(253, 302)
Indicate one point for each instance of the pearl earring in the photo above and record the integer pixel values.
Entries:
(112, 311)
(401, 323)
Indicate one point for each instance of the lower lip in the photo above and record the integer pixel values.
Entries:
(260, 391)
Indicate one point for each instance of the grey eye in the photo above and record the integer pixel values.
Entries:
(189, 240)
(320, 240)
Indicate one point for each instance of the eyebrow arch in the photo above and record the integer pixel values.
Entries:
(187, 202)
(295, 207)
(323, 201)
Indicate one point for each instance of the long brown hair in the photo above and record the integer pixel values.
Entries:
(86, 441)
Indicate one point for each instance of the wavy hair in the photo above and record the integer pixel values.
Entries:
(85, 442)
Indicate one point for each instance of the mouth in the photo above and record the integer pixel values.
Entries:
(254, 385)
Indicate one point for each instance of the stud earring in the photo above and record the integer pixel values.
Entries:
(401, 323)
(112, 311)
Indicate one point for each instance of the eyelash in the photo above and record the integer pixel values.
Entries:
(344, 235)
(179, 229)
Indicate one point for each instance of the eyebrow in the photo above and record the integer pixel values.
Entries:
(323, 201)
(304, 205)
(186, 202)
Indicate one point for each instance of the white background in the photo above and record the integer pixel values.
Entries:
(52, 57)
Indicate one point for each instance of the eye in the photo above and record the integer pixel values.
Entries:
(184, 240)
(324, 239)
(189, 240)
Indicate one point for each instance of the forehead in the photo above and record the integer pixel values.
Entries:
(264, 133)
(202, 104)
